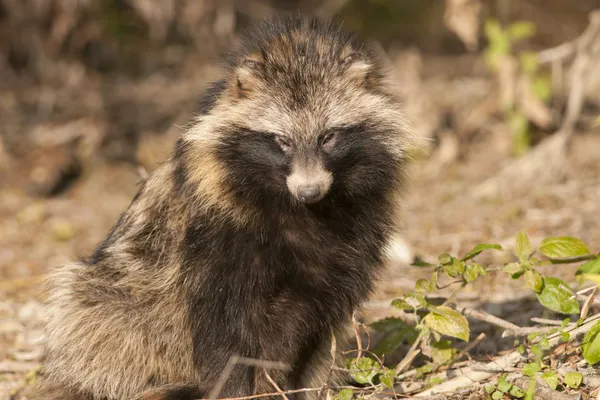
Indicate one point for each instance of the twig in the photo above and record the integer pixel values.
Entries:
(238, 360)
(470, 346)
(583, 291)
(275, 385)
(546, 321)
(263, 363)
(357, 336)
(585, 309)
(526, 331)
(410, 356)
(231, 363)
(559, 52)
(303, 390)
(489, 318)
(582, 59)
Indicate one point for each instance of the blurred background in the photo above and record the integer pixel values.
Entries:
(93, 93)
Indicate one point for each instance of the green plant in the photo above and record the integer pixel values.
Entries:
(501, 43)
(439, 323)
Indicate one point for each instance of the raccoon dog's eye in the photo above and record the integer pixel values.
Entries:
(328, 141)
(284, 143)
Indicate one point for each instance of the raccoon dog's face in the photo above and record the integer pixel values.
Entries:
(304, 115)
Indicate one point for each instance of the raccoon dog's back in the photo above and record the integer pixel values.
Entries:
(258, 238)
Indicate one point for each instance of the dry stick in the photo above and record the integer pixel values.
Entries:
(238, 360)
(470, 346)
(253, 362)
(275, 385)
(357, 336)
(507, 361)
(582, 59)
(304, 390)
(231, 363)
(415, 387)
(545, 321)
(585, 309)
(583, 291)
(489, 318)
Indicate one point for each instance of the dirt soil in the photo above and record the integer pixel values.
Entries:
(441, 215)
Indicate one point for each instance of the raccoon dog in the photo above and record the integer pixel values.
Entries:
(258, 238)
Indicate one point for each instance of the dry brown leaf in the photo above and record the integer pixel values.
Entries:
(462, 18)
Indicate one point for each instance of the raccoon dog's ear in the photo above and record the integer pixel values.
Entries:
(361, 65)
(246, 77)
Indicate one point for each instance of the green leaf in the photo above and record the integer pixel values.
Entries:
(529, 62)
(565, 336)
(445, 259)
(591, 267)
(520, 30)
(387, 378)
(522, 246)
(472, 272)
(388, 324)
(499, 42)
(344, 394)
(447, 321)
(542, 87)
(558, 296)
(425, 369)
(442, 352)
(479, 248)
(489, 388)
(504, 386)
(401, 304)
(420, 263)
(537, 351)
(395, 339)
(592, 278)
(367, 370)
(530, 369)
(551, 379)
(513, 268)
(497, 395)
(565, 322)
(456, 268)
(591, 345)
(423, 286)
(563, 247)
(534, 280)
(573, 379)
(516, 391)
(544, 344)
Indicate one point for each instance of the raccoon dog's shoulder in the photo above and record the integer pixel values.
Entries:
(258, 238)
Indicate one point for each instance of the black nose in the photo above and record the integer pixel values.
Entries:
(309, 193)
